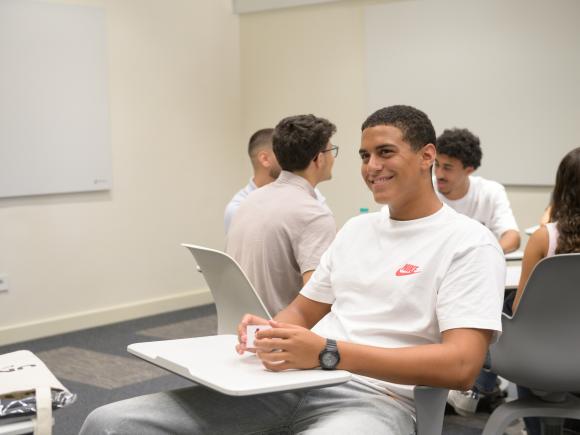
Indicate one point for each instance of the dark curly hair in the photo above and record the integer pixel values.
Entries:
(415, 125)
(566, 203)
(460, 144)
(298, 140)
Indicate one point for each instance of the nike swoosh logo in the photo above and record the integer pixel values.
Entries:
(403, 273)
(407, 269)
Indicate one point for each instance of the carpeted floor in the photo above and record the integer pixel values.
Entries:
(95, 365)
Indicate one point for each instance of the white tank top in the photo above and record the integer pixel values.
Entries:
(553, 234)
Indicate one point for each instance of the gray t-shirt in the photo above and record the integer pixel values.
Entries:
(239, 197)
(280, 232)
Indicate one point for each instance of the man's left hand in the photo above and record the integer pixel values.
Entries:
(287, 346)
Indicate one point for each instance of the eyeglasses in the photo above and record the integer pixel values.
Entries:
(334, 150)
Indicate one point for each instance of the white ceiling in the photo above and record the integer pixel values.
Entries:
(246, 6)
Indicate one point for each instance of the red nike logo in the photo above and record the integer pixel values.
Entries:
(407, 269)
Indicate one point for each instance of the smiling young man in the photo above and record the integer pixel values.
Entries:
(410, 295)
(458, 156)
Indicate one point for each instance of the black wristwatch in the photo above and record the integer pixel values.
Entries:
(329, 356)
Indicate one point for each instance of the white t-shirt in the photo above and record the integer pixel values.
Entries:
(401, 283)
(486, 201)
(239, 197)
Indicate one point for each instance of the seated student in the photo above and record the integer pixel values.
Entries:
(266, 169)
(409, 295)
(560, 235)
(458, 156)
(281, 230)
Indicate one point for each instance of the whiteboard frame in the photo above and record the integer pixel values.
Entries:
(54, 110)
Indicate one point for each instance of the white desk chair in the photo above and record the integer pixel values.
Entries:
(234, 296)
(231, 289)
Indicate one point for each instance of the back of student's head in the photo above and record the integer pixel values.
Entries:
(415, 125)
(566, 203)
(461, 144)
(259, 140)
(298, 140)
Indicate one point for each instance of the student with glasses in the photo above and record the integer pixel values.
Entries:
(265, 170)
(281, 230)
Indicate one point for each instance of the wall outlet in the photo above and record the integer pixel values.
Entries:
(3, 283)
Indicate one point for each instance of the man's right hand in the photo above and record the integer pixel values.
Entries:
(248, 319)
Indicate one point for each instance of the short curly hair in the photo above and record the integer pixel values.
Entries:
(298, 140)
(415, 125)
(461, 144)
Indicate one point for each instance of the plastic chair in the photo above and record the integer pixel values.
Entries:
(231, 289)
(234, 296)
(540, 347)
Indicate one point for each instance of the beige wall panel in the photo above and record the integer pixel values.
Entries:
(311, 60)
(174, 105)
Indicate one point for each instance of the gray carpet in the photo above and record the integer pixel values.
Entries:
(95, 365)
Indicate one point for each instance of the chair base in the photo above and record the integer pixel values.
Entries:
(501, 418)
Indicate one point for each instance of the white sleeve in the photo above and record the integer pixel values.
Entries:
(503, 217)
(319, 286)
(471, 294)
(229, 213)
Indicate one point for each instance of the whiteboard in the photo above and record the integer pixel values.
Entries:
(508, 70)
(54, 115)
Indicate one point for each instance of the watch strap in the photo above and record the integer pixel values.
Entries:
(331, 345)
(330, 350)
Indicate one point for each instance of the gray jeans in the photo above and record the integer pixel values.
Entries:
(351, 408)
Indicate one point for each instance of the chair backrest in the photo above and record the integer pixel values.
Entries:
(540, 344)
(232, 292)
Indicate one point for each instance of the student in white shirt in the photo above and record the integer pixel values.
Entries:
(410, 295)
(266, 170)
(458, 156)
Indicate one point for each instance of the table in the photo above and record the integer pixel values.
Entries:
(213, 362)
(531, 230)
(512, 277)
(514, 256)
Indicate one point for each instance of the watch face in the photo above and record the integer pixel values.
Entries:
(329, 359)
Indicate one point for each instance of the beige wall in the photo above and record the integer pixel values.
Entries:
(82, 259)
(189, 82)
(310, 59)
